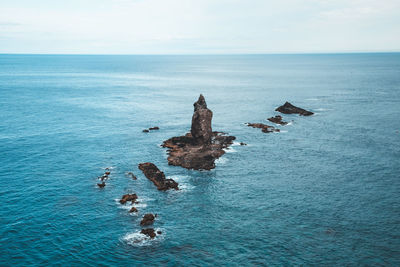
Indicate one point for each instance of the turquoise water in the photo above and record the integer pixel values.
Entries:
(323, 191)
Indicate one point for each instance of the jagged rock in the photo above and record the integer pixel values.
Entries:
(200, 148)
(130, 174)
(264, 127)
(278, 120)
(133, 209)
(128, 197)
(103, 184)
(148, 219)
(149, 232)
(157, 177)
(288, 108)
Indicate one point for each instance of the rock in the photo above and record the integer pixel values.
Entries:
(200, 148)
(130, 174)
(107, 173)
(145, 131)
(149, 232)
(154, 128)
(288, 108)
(264, 127)
(157, 177)
(243, 144)
(128, 197)
(148, 219)
(278, 120)
(133, 209)
(159, 232)
(102, 185)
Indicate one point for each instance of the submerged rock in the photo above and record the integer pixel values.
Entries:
(130, 174)
(148, 219)
(101, 185)
(278, 120)
(128, 197)
(200, 148)
(288, 108)
(264, 127)
(149, 232)
(157, 177)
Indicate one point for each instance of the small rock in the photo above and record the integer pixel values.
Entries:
(145, 131)
(243, 144)
(154, 128)
(128, 197)
(148, 219)
(159, 232)
(264, 127)
(103, 184)
(288, 108)
(149, 232)
(157, 177)
(133, 209)
(130, 174)
(278, 120)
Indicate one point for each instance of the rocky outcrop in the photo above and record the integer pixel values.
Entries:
(278, 120)
(288, 108)
(128, 197)
(264, 127)
(149, 232)
(148, 219)
(200, 148)
(157, 177)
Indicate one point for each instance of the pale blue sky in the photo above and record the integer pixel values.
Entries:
(198, 26)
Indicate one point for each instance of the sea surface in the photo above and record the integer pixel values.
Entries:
(323, 191)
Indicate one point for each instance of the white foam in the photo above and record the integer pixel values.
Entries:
(290, 123)
(229, 150)
(183, 182)
(221, 161)
(138, 239)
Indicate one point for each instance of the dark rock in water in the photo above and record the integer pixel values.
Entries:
(148, 219)
(200, 148)
(145, 131)
(102, 185)
(149, 232)
(159, 232)
(243, 144)
(107, 173)
(154, 128)
(130, 174)
(278, 120)
(133, 209)
(264, 127)
(128, 197)
(288, 108)
(157, 177)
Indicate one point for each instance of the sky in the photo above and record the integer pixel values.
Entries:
(198, 26)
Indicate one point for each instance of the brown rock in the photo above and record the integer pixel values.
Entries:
(145, 131)
(154, 128)
(133, 209)
(149, 232)
(128, 197)
(148, 219)
(288, 108)
(264, 127)
(102, 185)
(157, 177)
(200, 148)
(278, 120)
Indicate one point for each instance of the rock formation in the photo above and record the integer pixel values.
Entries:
(278, 120)
(200, 148)
(128, 197)
(148, 219)
(157, 177)
(149, 232)
(288, 108)
(264, 127)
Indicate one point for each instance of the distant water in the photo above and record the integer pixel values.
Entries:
(324, 191)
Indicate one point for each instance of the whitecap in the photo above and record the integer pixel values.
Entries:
(221, 161)
(229, 150)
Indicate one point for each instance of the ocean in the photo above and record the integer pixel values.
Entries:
(323, 191)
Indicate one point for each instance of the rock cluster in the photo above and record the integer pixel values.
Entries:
(151, 129)
(157, 177)
(278, 120)
(200, 148)
(103, 178)
(128, 197)
(264, 127)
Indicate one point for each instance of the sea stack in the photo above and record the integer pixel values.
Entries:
(200, 148)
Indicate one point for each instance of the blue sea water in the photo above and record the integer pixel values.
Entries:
(323, 191)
